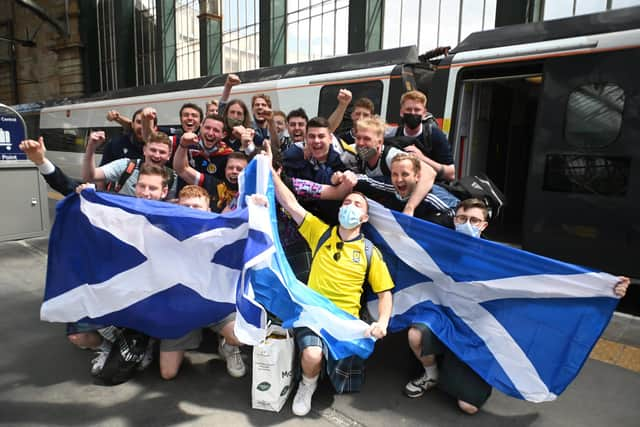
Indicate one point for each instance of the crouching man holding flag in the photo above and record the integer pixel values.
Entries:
(343, 260)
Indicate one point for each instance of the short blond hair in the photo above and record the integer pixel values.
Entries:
(414, 95)
(415, 162)
(159, 137)
(374, 123)
(194, 191)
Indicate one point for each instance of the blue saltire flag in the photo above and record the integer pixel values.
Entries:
(524, 323)
(156, 267)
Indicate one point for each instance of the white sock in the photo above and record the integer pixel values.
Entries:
(310, 380)
(432, 371)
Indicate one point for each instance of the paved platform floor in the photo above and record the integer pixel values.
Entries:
(44, 380)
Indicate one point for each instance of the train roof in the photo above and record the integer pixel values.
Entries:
(596, 23)
(402, 55)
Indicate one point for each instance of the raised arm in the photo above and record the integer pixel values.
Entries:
(89, 171)
(115, 116)
(446, 172)
(425, 182)
(58, 180)
(271, 126)
(288, 201)
(148, 117)
(181, 162)
(232, 80)
(335, 119)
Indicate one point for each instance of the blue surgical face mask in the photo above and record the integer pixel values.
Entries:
(349, 216)
(468, 229)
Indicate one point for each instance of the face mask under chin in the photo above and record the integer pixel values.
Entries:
(366, 153)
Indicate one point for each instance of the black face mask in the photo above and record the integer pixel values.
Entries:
(412, 120)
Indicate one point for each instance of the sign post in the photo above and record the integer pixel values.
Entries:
(13, 129)
(25, 211)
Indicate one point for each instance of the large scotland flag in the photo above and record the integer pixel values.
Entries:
(156, 267)
(523, 322)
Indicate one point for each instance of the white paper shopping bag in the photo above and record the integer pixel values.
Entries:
(272, 370)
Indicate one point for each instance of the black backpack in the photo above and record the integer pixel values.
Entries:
(422, 142)
(481, 187)
(399, 141)
(126, 353)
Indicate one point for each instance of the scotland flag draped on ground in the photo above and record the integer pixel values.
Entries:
(525, 323)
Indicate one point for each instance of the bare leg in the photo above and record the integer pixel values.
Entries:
(170, 362)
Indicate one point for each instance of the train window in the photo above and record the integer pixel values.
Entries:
(598, 175)
(328, 98)
(74, 140)
(594, 115)
(70, 140)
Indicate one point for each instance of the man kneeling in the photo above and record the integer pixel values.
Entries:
(339, 268)
(172, 350)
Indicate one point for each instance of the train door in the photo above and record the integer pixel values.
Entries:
(494, 131)
(583, 192)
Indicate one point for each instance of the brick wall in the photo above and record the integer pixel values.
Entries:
(53, 68)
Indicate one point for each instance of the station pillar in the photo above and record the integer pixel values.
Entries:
(210, 38)
(273, 24)
(365, 25)
(166, 34)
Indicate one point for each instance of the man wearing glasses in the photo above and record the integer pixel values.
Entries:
(339, 269)
(454, 376)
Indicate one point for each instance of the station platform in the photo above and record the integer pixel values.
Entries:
(44, 380)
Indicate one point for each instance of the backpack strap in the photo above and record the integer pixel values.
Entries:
(325, 236)
(131, 166)
(368, 252)
(384, 167)
(368, 249)
(427, 127)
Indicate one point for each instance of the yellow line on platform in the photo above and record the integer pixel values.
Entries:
(622, 355)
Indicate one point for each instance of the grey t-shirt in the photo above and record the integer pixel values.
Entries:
(113, 171)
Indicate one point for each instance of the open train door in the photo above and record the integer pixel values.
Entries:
(582, 201)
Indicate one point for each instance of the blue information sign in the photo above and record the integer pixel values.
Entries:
(12, 132)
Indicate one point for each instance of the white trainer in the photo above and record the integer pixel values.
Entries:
(302, 400)
(231, 354)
